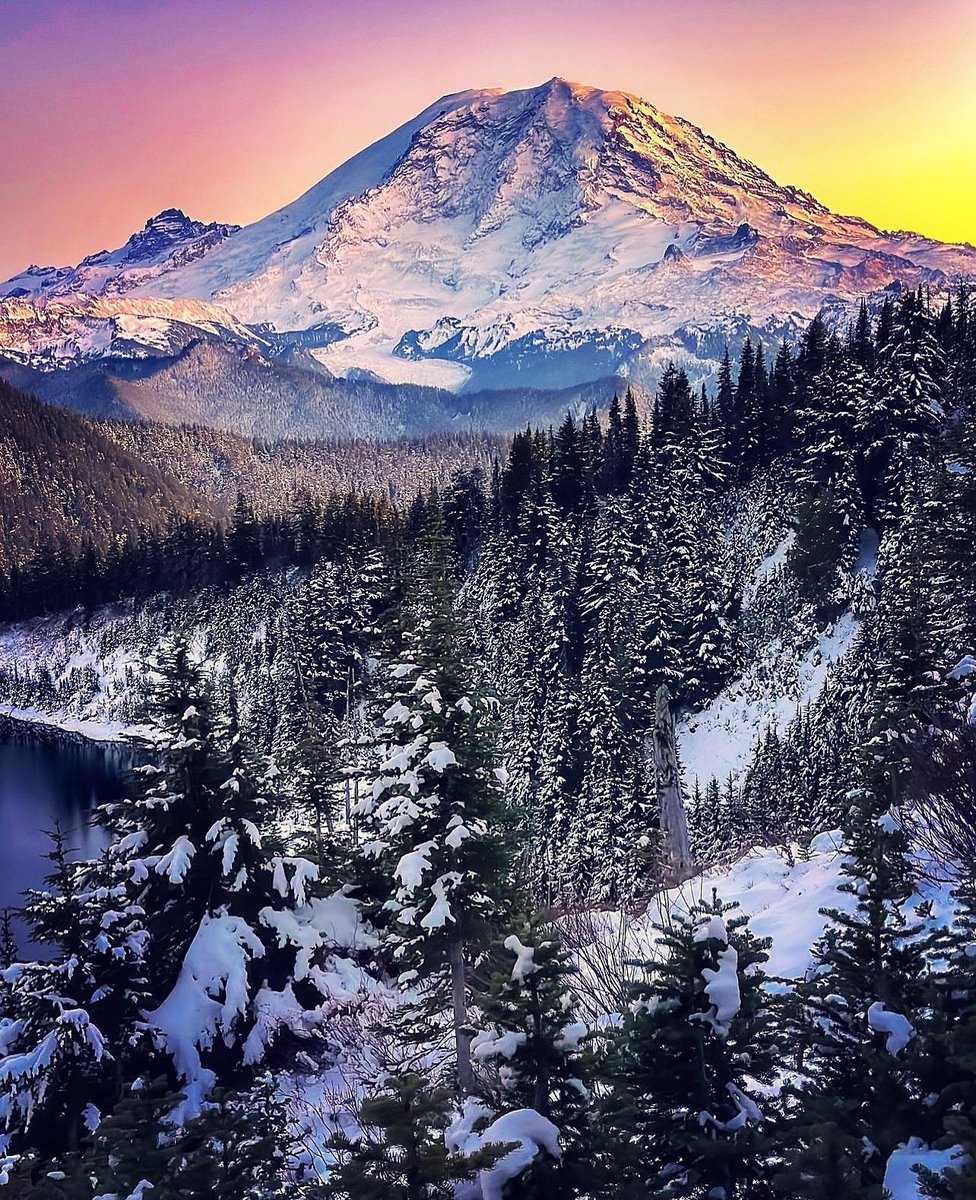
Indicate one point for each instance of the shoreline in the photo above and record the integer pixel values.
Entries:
(51, 727)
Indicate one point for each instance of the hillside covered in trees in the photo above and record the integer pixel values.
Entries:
(408, 759)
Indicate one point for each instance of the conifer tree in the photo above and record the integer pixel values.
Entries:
(954, 1032)
(859, 1097)
(725, 394)
(72, 1021)
(434, 852)
(229, 913)
(532, 1033)
(698, 1036)
(402, 1153)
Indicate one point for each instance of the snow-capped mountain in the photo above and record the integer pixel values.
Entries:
(169, 240)
(542, 236)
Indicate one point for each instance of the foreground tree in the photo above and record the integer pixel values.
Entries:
(698, 1036)
(532, 1035)
(401, 1152)
(858, 1094)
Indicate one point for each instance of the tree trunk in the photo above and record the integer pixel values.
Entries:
(462, 1035)
(678, 862)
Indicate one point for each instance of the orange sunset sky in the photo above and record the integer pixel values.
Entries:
(115, 109)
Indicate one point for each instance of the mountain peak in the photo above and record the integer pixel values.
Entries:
(171, 218)
(167, 240)
(167, 230)
(562, 224)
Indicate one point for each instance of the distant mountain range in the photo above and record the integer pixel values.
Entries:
(543, 238)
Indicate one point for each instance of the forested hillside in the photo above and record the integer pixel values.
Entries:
(410, 763)
(93, 510)
(65, 485)
(239, 389)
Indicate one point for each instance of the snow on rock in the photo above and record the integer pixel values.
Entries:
(899, 1029)
(556, 217)
(901, 1181)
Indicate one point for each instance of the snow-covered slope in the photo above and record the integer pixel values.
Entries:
(65, 332)
(505, 237)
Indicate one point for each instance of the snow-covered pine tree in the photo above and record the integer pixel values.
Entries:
(231, 954)
(858, 1097)
(234, 1149)
(532, 1034)
(653, 649)
(830, 522)
(699, 1035)
(327, 629)
(905, 657)
(434, 846)
(953, 1030)
(612, 849)
(905, 405)
(548, 674)
(73, 1022)
(133, 1145)
(401, 1151)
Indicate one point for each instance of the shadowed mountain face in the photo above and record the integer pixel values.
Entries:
(537, 238)
(233, 387)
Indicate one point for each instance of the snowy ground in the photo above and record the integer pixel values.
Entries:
(783, 892)
(788, 673)
(91, 679)
(719, 741)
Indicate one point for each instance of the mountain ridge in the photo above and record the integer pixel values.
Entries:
(500, 238)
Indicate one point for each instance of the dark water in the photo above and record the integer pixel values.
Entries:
(44, 779)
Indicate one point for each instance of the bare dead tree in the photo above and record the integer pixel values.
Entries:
(940, 796)
(597, 941)
(676, 850)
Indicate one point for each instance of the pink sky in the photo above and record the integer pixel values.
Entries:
(115, 109)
